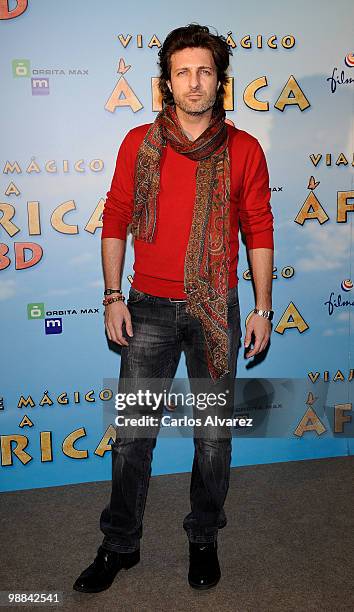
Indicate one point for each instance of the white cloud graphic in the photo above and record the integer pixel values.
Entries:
(63, 291)
(7, 289)
(81, 258)
(96, 283)
(344, 316)
(325, 248)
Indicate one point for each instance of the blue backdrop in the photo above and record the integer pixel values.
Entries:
(75, 78)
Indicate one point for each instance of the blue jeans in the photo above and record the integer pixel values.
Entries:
(162, 330)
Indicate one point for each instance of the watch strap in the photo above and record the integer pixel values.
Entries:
(266, 314)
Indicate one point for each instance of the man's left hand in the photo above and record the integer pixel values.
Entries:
(261, 328)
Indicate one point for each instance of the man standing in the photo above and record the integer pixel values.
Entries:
(184, 183)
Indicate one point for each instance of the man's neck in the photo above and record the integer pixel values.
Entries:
(194, 125)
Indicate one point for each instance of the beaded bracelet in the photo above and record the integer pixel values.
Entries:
(107, 301)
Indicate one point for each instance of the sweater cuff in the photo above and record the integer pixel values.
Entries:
(118, 231)
(261, 240)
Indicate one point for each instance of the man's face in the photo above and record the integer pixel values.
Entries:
(194, 80)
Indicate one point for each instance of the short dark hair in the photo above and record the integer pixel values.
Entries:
(194, 35)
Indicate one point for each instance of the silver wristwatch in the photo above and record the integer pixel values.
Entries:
(266, 314)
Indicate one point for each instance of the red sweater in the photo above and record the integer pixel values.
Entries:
(159, 266)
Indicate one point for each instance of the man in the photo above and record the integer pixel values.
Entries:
(183, 183)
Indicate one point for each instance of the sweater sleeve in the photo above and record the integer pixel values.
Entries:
(118, 208)
(256, 218)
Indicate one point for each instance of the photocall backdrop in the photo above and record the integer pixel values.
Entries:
(75, 77)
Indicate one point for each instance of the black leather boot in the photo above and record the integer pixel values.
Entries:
(204, 568)
(101, 573)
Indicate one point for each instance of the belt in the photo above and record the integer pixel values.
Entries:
(176, 300)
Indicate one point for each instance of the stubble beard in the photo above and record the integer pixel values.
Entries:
(197, 108)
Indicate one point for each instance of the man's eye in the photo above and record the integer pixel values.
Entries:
(206, 72)
(181, 72)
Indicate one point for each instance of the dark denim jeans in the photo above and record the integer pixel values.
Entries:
(162, 330)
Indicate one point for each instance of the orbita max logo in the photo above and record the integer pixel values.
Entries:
(51, 325)
(21, 68)
(53, 319)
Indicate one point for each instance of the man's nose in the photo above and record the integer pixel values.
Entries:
(194, 80)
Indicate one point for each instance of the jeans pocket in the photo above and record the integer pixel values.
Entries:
(135, 296)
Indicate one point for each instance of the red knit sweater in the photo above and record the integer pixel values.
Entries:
(159, 266)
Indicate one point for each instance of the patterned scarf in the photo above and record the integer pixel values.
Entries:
(206, 268)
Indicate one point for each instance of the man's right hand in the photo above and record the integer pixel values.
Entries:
(114, 316)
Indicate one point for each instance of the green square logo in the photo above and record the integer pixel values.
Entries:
(21, 68)
(35, 311)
